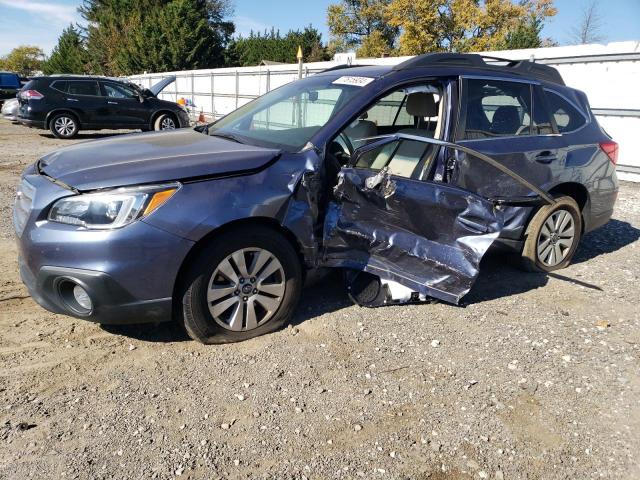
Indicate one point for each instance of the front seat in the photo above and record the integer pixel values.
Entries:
(506, 120)
(421, 105)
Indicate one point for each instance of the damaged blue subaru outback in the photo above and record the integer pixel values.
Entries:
(402, 176)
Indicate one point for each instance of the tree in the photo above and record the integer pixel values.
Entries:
(361, 23)
(271, 45)
(69, 55)
(525, 35)
(130, 36)
(589, 30)
(25, 60)
(464, 25)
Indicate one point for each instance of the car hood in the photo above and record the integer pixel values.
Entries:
(151, 157)
(158, 87)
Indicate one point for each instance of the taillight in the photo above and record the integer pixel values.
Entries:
(31, 95)
(611, 149)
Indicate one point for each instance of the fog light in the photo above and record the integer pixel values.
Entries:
(81, 296)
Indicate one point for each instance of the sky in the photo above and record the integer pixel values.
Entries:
(40, 22)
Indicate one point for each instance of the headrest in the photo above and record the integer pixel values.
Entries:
(506, 120)
(422, 104)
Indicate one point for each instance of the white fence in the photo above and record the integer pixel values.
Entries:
(608, 74)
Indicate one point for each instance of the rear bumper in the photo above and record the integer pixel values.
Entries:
(28, 122)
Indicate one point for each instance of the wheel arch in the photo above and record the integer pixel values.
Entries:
(200, 245)
(55, 112)
(577, 191)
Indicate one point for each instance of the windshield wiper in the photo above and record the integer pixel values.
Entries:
(228, 136)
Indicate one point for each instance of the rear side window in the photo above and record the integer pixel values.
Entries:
(568, 118)
(82, 87)
(115, 90)
(496, 108)
(61, 86)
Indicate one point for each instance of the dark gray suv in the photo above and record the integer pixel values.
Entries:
(403, 177)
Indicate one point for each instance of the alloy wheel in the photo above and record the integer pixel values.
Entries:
(556, 238)
(246, 289)
(64, 126)
(167, 124)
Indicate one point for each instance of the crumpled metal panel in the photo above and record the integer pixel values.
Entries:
(426, 236)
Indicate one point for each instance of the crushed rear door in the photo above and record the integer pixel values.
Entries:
(419, 238)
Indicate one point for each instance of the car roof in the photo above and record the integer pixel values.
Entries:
(458, 64)
(79, 77)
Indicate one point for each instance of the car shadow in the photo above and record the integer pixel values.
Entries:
(500, 276)
(166, 332)
(612, 236)
(323, 296)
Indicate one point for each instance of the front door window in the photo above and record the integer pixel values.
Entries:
(413, 111)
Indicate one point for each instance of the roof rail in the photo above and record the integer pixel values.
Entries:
(341, 67)
(473, 60)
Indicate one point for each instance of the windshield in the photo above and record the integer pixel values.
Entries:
(288, 117)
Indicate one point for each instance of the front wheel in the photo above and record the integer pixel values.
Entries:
(64, 125)
(244, 284)
(552, 236)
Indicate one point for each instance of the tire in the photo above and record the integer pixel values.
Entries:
(552, 236)
(64, 125)
(226, 316)
(165, 121)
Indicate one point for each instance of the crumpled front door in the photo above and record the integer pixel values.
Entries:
(426, 237)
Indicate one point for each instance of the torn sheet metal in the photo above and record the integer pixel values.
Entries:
(428, 237)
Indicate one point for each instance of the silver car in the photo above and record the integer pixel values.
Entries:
(10, 109)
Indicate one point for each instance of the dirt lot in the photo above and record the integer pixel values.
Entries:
(535, 376)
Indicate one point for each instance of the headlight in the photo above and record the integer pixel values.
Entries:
(113, 208)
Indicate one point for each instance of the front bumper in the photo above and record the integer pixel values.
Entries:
(112, 304)
(129, 273)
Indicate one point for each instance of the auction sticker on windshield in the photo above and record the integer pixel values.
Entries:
(355, 81)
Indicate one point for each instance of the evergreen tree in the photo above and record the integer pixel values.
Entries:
(272, 46)
(131, 36)
(525, 35)
(69, 55)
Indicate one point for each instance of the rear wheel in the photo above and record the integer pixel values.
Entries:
(246, 283)
(64, 125)
(552, 236)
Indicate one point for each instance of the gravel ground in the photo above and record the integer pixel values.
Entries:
(536, 376)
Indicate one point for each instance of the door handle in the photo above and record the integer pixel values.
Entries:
(545, 157)
(112, 103)
(72, 99)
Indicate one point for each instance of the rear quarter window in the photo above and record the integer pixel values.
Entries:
(567, 117)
